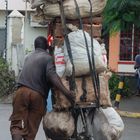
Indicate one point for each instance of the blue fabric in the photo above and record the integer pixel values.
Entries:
(137, 59)
(49, 102)
(138, 77)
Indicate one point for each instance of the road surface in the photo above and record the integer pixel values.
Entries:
(131, 132)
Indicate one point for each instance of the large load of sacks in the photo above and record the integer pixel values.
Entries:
(51, 9)
(48, 10)
(60, 124)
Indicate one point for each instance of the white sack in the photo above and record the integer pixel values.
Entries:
(108, 125)
(36, 3)
(52, 10)
(59, 61)
(114, 120)
(104, 53)
(58, 125)
(79, 52)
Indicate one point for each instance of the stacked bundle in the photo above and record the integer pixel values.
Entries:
(51, 7)
(82, 70)
(47, 10)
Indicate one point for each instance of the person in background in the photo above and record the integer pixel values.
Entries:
(34, 82)
(137, 67)
(137, 61)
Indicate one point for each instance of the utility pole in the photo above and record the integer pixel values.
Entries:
(25, 23)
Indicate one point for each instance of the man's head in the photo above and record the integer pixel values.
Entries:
(41, 42)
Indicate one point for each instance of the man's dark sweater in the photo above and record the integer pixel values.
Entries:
(38, 68)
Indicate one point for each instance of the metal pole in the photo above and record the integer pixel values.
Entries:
(133, 31)
(120, 90)
(25, 23)
(5, 50)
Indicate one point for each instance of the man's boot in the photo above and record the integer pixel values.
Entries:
(16, 137)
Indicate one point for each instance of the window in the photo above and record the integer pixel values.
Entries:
(129, 44)
(2, 41)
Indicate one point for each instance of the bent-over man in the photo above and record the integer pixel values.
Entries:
(34, 82)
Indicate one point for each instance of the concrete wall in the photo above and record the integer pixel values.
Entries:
(30, 33)
(115, 64)
(20, 39)
(114, 45)
(14, 39)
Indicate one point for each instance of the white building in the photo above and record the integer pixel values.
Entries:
(20, 32)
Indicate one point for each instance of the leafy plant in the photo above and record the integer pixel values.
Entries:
(7, 78)
(113, 86)
(120, 15)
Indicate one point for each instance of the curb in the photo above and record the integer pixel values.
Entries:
(128, 114)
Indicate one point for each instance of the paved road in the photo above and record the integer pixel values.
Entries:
(5, 111)
(132, 129)
(132, 126)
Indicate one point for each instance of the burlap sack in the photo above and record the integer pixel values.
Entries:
(52, 1)
(104, 91)
(62, 102)
(58, 125)
(36, 3)
(52, 10)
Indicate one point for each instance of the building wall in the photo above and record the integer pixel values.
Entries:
(30, 33)
(20, 40)
(114, 52)
(114, 63)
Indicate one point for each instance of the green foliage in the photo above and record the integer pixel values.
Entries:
(113, 86)
(120, 15)
(7, 79)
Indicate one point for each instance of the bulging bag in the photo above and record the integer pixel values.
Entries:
(58, 125)
(108, 125)
(61, 102)
(36, 3)
(52, 10)
(79, 53)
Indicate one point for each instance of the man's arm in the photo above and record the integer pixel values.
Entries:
(56, 81)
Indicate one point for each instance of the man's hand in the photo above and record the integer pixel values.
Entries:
(56, 81)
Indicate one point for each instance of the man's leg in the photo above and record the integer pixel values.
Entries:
(36, 112)
(19, 116)
(16, 137)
